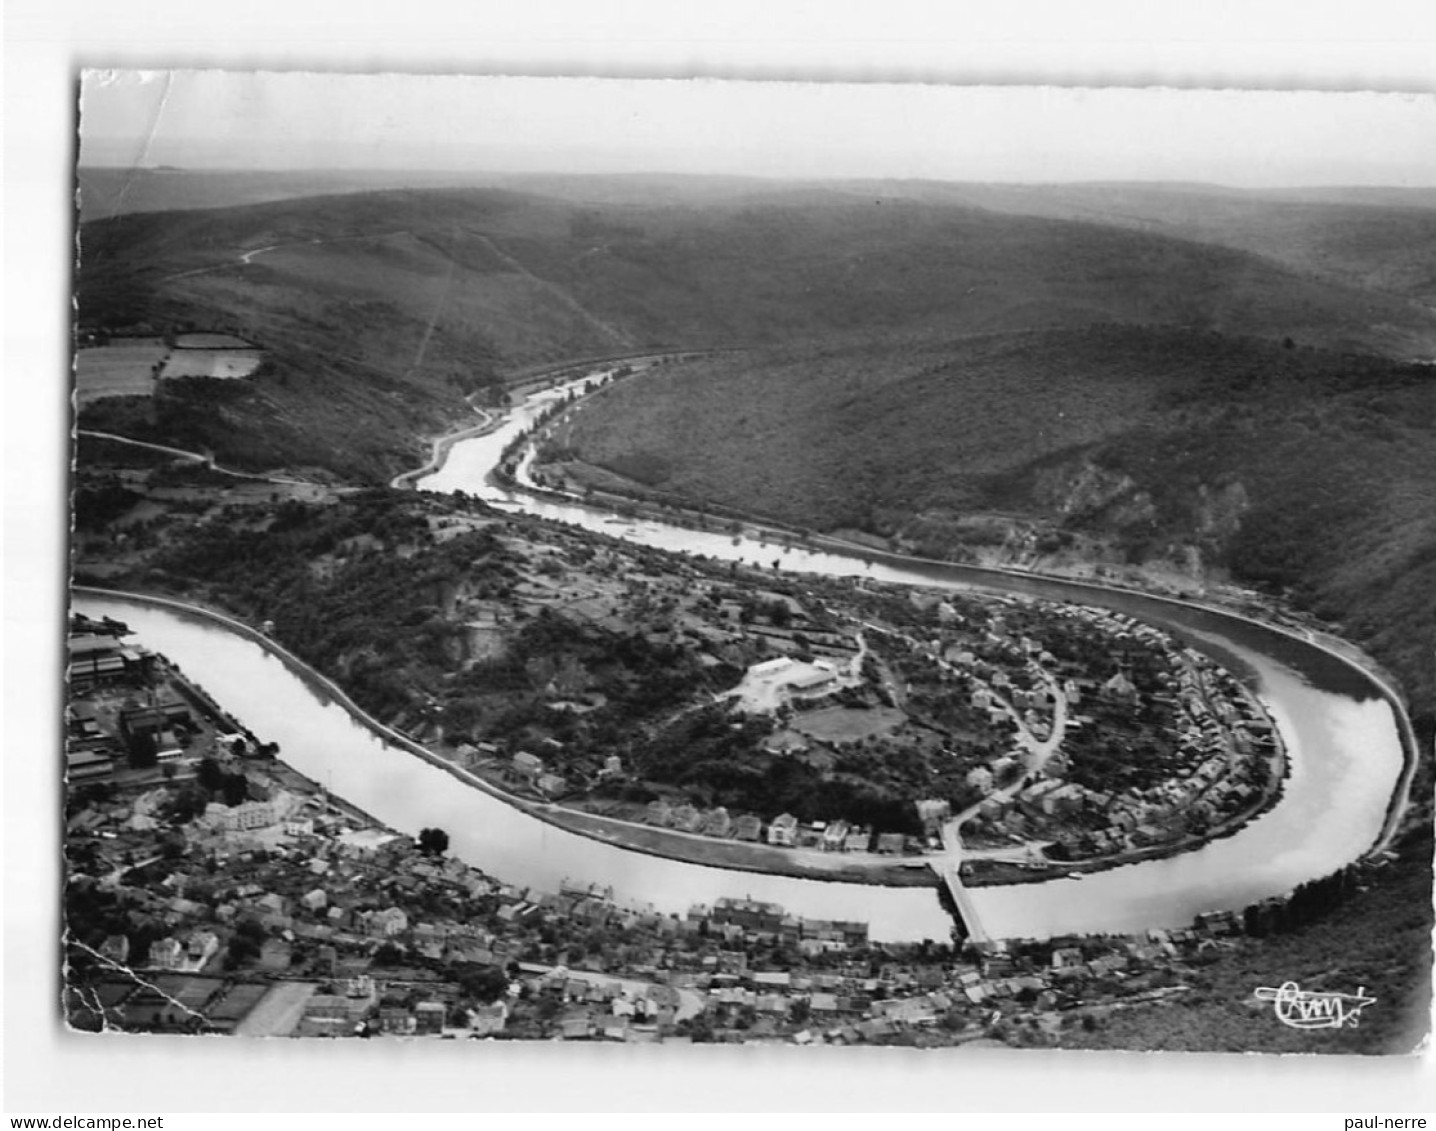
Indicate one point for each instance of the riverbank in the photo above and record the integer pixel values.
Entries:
(979, 872)
(440, 449)
(740, 856)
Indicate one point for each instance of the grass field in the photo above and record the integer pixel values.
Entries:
(843, 724)
(218, 363)
(121, 369)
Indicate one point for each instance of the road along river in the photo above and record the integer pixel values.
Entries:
(1344, 741)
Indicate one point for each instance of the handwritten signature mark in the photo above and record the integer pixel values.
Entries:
(1310, 1009)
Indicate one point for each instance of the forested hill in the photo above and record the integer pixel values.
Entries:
(526, 277)
(1309, 472)
(1379, 239)
(381, 310)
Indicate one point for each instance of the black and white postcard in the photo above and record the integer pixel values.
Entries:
(837, 567)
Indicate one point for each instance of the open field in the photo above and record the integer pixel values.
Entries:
(215, 363)
(123, 368)
(845, 724)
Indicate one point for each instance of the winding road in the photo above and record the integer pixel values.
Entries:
(195, 457)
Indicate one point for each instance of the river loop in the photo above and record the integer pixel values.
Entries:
(1344, 742)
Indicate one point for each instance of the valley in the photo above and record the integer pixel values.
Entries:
(1185, 460)
(988, 384)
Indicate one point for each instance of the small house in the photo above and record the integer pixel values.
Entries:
(783, 830)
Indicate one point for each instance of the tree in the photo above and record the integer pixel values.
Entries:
(188, 803)
(482, 983)
(244, 945)
(210, 775)
(235, 789)
(434, 842)
(390, 954)
(144, 751)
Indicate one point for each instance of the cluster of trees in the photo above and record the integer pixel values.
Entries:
(211, 783)
(638, 682)
(99, 502)
(1124, 748)
(1306, 904)
(375, 618)
(717, 760)
(245, 944)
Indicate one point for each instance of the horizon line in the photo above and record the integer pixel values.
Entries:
(763, 177)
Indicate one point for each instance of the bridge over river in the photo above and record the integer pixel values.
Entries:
(949, 869)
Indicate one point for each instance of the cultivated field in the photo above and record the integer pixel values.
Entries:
(221, 363)
(120, 369)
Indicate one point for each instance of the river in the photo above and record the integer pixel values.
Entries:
(1343, 742)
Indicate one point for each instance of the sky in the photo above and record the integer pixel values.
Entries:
(288, 120)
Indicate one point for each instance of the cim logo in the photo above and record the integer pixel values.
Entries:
(1303, 1009)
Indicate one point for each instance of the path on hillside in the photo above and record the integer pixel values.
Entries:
(244, 259)
(439, 306)
(196, 457)
(611, 331)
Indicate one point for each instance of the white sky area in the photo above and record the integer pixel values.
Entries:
(1247, 138)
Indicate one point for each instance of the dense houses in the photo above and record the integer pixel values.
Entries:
(285, 913)
(1222, 758)
(218, 893)
(295, 929)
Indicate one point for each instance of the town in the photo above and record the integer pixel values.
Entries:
(213, 889)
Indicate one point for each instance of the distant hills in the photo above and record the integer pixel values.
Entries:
(1194, 375)
(1377, 236)
(751, 263)
(381, 310)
